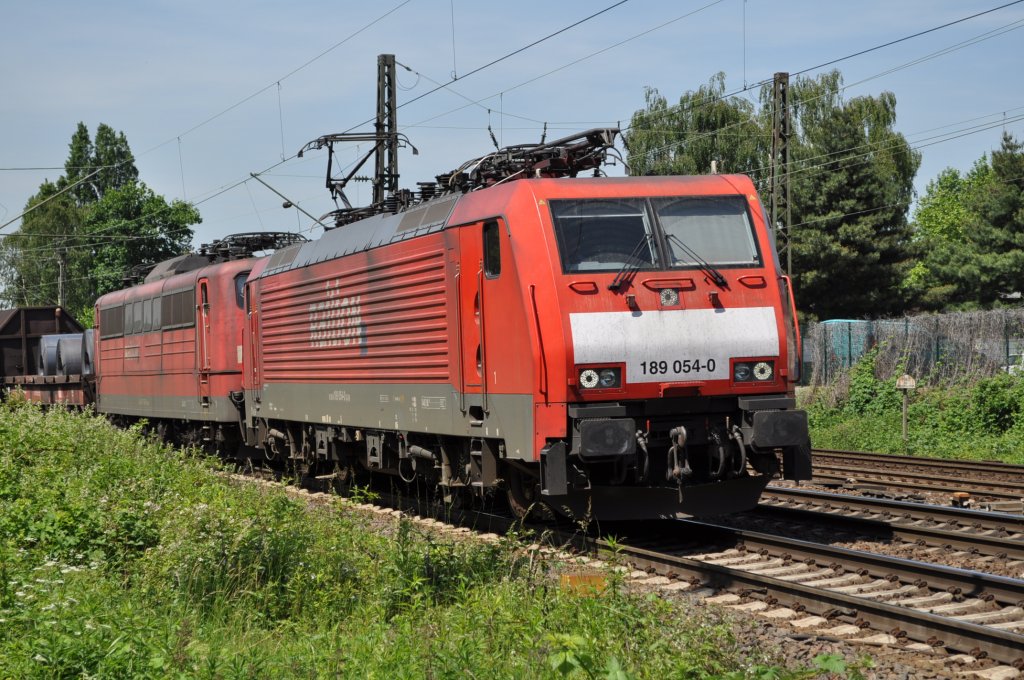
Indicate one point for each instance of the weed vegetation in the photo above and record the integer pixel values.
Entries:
(982, 420)
(121, 558)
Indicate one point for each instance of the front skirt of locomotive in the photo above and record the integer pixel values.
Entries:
(611, 503)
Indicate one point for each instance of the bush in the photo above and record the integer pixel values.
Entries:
(981, 420)
(122, 558)
(867, 394)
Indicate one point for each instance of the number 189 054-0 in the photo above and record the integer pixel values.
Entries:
(677, 366)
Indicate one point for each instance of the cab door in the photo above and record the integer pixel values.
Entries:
(471, 347)
(203, 342)
(478, 265)
(252, 356)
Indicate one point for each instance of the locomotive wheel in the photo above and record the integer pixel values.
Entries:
(523, 492)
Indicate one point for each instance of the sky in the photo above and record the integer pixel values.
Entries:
(209, 92)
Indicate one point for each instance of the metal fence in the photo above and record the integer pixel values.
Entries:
(944, 348)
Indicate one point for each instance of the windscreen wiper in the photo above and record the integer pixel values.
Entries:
(704, 265)
(630, 266)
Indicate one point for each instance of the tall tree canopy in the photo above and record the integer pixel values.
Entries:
(852, 184)
(969, 232)
(80, 244)
(851, 177)
(705, 126)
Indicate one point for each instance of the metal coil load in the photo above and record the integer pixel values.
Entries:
(69, 355)
(51, 359)
(48, 355)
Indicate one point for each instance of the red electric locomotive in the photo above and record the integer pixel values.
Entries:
(618, 347)
(170, 350)
(621, 347)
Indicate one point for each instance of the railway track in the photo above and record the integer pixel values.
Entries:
(850, 592)
(1002, 482)
(985, 467)
(815, 587)
(840, 589)
(947, 528)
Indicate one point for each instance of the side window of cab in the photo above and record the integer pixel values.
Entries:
(492, 249)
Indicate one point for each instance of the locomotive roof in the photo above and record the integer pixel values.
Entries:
(175, 282)
(432, 216)
(371, 232)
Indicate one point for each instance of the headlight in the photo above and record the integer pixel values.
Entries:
(741, 372)
(600, 378)
(763, 370)
(753, 371)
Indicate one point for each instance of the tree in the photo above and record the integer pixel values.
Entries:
(105, 164)
(79, 165)
(132, 226)
(999, 233)
(852, 184)
(73, 247)
(969, 232)
(704, 126)
(35, 258)
(851, 177)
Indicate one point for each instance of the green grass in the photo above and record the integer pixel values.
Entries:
(983, 420)
(120, 558)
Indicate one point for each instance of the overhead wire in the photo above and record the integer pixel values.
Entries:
(746, 87)
(44, 286)
(907, 37)
(474, 71)
(861, 52)
(843, 160)
(944, 51)
(920, 143)
(832, 62)
(937, 139)
(277, 81)
(224, 189)
(636, 36)
(502, 58)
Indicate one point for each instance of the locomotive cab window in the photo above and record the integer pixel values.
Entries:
(603, 234)
(492, 249)
(716, 229)
(240, 289)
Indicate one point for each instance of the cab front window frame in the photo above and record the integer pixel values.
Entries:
(667, 233)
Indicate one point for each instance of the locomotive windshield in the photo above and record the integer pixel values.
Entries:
(664, 233)
(715, 228)
(603, 234)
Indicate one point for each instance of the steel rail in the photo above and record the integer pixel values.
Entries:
(906, 480)
(904, 530)
(990, 466)
(1000, 644)
(905, 511)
